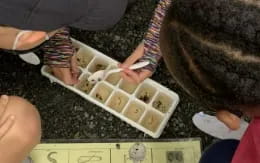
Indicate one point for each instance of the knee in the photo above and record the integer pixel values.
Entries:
(27, 126)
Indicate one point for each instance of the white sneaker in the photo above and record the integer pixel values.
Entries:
(212, 126)
(30, 58)
(28, 160)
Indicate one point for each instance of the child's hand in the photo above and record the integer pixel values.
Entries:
(138, 75)
(68, 75)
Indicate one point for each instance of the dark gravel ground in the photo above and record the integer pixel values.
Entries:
(65, 115)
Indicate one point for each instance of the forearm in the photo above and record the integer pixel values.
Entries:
(152, 51)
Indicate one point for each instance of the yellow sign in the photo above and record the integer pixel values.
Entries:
(156, 152)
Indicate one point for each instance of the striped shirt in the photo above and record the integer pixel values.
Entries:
(152, 51)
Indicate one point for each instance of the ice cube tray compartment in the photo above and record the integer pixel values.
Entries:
(128, 87)
(146, 92)
(101, 92)
(162, 102)
(84, 57)
(118, 101)
(97, 64)
(152, 120)
(113, 78)
(134, 111)
(84, 85)
(146, 106)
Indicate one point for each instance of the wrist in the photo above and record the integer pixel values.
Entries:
(153, 63)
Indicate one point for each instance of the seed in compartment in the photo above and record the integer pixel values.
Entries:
(85, 86)
(134, 111)
(102, 93)
(118, 102)
(100, 67)
(83, 57)
(128, 87)
(162, 103)
(145, 97)
(146, 93)
(151, 121)
(97, 65)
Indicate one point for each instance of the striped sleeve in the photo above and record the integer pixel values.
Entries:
(59, 49)
(151, 41)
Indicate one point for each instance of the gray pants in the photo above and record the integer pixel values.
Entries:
(49, 15)
(102, 14)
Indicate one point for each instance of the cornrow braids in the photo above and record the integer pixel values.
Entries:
(212, 48)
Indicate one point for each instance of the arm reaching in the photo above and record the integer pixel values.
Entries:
(149, 49)
(152, 51)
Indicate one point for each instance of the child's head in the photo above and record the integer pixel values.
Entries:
(212, 48)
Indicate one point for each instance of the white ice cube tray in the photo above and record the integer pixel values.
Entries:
(146, 106)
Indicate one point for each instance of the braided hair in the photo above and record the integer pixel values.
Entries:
(212, 48)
